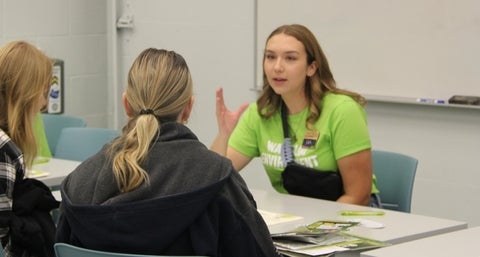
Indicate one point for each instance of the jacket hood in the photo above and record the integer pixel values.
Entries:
(162, 219)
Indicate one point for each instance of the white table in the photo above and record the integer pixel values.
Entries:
(399, 227)
(459, 243)
(58, 169)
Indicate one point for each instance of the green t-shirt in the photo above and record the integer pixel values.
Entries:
(44, 149)
(340, 131)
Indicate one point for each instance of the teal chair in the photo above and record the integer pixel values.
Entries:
(395, 174)
(80, 143)
(66, 250)
(53, 125)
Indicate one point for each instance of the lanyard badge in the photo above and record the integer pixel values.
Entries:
(310, 139)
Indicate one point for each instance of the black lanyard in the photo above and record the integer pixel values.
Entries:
(287, 151)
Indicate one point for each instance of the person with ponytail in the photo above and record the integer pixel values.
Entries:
(156, 189)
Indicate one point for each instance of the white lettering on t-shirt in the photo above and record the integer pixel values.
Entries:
(273, 147)
(273, 158)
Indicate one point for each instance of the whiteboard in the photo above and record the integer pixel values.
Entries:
(408, 48)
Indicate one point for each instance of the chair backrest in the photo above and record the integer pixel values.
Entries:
(53, 125)
(80, 143)
(1, 251)
(66, 250)
(395, 174)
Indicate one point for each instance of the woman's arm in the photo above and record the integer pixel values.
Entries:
(356, 171)
(238, 159)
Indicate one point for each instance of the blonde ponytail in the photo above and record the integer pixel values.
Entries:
(159, 87)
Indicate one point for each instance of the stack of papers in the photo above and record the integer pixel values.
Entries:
(322, 238)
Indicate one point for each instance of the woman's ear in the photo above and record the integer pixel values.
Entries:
(312, 68)
(187, 110)
(126, 105)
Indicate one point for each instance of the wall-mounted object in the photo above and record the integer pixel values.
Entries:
(56, 94)
(125, 22)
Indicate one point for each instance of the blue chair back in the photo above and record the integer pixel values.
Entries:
(66, 250)
(395, 174)
(53, 125)
(80, 143)
(1, 251)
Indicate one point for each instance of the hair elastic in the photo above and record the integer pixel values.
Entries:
(146, 111)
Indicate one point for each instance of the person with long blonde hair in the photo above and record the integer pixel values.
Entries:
(25, 76)
(156, 189)
(327, 124)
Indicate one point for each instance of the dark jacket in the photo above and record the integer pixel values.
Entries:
(195, 204)
(32, 230)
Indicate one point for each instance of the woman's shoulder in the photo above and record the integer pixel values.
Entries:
(89, 168)
(251, 113)
(333, 101)
(335, 98)
(252, 108)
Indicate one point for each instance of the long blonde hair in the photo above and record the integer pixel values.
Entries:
(315, 87)
(159, 87)
(25, 77)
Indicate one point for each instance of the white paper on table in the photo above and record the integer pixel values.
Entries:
(272, 218)
(37, 174)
